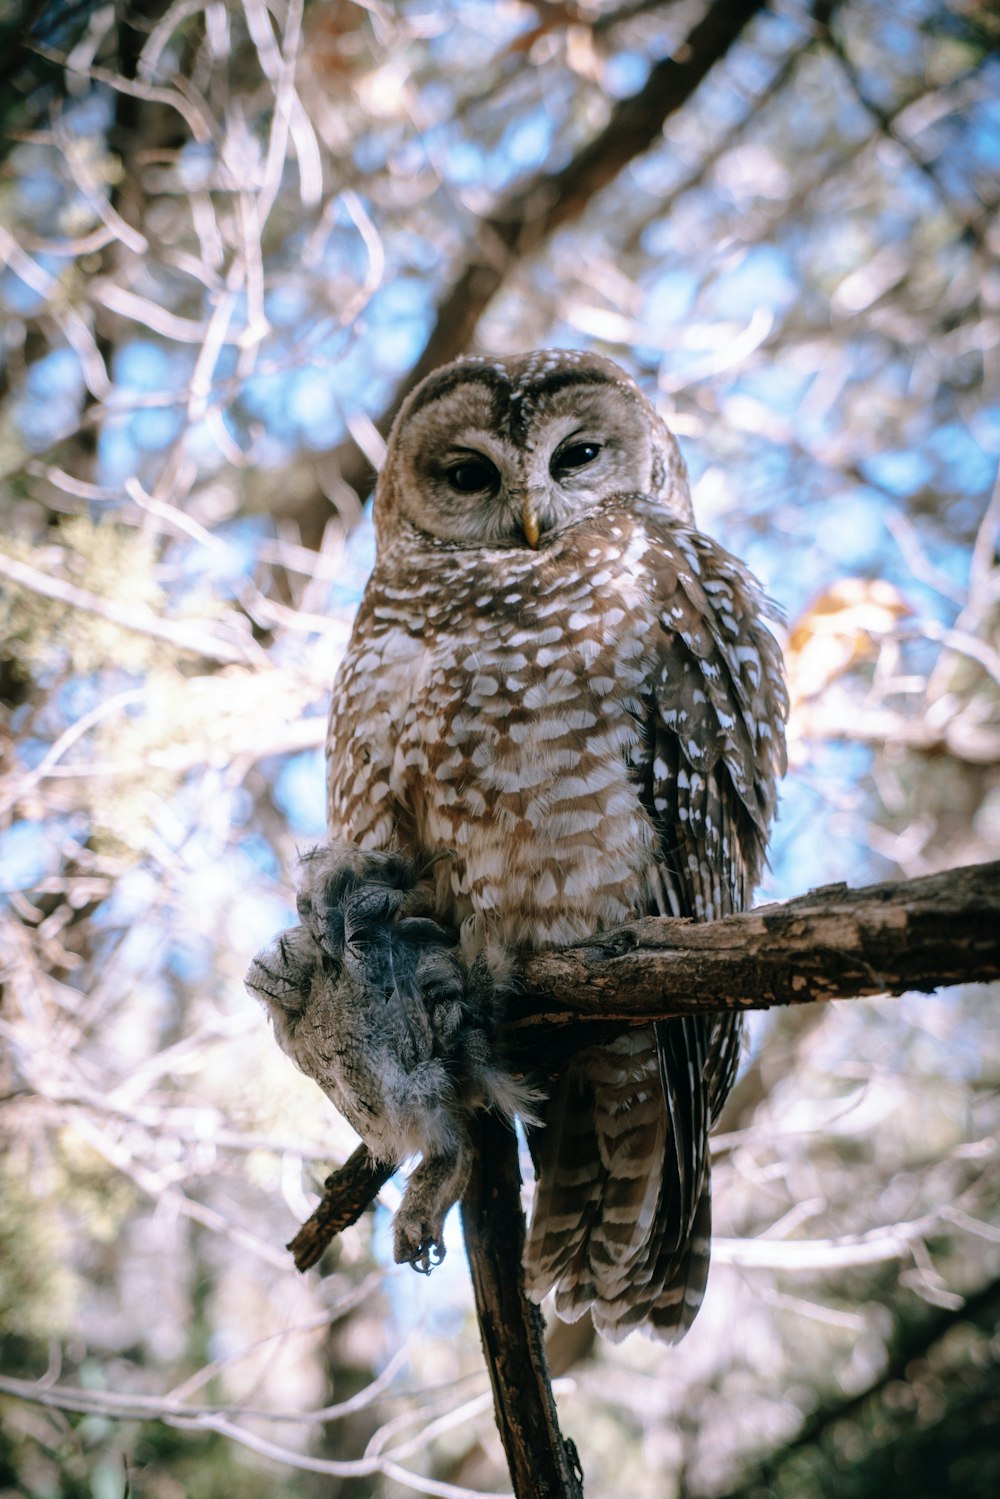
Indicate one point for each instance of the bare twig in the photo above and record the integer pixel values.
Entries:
(190, 636)
(347, 1192)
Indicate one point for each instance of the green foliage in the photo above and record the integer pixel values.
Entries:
(106, 562)
(38, 1288)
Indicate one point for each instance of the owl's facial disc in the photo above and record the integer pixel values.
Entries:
(497, 492)
(506, 454)
(483, 486)
(476, 476)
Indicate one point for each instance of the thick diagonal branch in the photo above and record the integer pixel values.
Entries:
(535, 209)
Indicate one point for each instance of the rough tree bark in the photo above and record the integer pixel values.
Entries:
(833, 943)
(543, 1464)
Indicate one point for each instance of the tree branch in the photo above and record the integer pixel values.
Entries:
(195, 637)
(834, 943)
(347, 1192)
(535, 209)
(543, 1465)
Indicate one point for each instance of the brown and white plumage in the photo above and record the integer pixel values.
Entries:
(561, 697)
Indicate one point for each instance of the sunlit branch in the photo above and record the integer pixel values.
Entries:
(984, 577)
(78, 334)
(155, 1186)
(189, 636)
(193, 110)
(535, 209)
(122, 1407)
(974, 744)
(834, 943)
(810, 1256)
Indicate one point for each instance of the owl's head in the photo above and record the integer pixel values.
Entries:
(506, 452)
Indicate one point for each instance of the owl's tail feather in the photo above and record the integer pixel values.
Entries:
(669, 1313)
(621, 1226)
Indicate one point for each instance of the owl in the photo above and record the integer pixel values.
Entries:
(560, 700)
(375, 1005)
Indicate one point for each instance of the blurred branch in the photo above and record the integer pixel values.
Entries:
(190, 636)
(115, 1406)
(165, 1407)
(77, 333)
(984, 582)
(534, 210)
(192, 108)
(17, 28)
(976, 224)
(894, 1241)
(663, 207)
(156, 1184)
(974, 744)
(910, 1345)
(608, 20)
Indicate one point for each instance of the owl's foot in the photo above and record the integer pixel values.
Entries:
(435, 1186)
(416, 1244)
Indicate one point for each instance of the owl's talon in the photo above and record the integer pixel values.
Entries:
(422, 1249)
(422, 1262)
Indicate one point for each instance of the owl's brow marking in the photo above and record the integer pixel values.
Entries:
(442, 385)
(514, 395)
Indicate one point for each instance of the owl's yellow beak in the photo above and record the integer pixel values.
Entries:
(529, 523)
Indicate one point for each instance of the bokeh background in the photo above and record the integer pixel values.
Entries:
(231, 231)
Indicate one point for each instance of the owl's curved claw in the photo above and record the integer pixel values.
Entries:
(419, 1245)
(427, 1257)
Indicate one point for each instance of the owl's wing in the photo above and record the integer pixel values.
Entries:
(626, 1229)
(712, 741)
(707, 766)
(706, 769)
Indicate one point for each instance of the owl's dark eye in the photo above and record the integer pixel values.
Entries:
(473, 476)
(577, 455)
